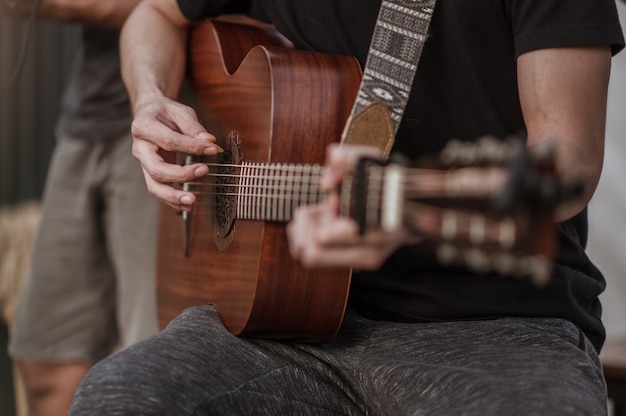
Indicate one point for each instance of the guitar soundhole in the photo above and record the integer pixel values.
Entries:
(226, 187)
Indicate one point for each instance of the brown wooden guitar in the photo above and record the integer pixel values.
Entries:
(273, 104)
(274, 110)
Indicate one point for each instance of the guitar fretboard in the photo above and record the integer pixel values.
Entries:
(272, 192)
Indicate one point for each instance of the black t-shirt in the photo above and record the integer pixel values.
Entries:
(465, 87)
(95, 105)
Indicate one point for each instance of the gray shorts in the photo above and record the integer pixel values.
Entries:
(91, 286)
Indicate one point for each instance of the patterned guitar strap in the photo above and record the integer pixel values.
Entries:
(395, 50)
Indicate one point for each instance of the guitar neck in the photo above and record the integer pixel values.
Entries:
(376, 196)
(272, 192)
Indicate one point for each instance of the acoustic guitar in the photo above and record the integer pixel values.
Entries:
(274, 110)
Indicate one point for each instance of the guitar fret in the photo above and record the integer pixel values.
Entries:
(281, 194)
(268, 192)
(273, 193)
(277, 191)
(259, 207)
(346, 197)
(250, 208)
(477, 229)
(246, 190)
(508, 233)
(304, 186)
(249, 201)
(289, 189)
(449, 226)
(372, 205)
(312, 188)
(241, 194)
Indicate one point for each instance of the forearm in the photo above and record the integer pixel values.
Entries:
(109, 13)
(153, 50)
(563, 94)
(91, 12)
(153, 58)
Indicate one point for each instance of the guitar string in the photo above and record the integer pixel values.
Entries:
(432, 221)
(412, 190)
(413, 182)
(275, 184)
(289, 186)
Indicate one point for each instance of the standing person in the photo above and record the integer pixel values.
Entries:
(91, 286)
(418, 338)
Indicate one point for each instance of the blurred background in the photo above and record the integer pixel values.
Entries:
(29, 107)
(29, 101)
(607, 211)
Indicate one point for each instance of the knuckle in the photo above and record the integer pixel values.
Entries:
(136, 151)
(138, 127)
(152, 190)
(372, 262)
(189, 112)
(167, 143)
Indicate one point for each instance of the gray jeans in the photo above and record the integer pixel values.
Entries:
(507, 366)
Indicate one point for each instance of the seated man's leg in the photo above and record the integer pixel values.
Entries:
(50, 387)
(497, 367)
(195, 366)
(130, 219)
(507, 366)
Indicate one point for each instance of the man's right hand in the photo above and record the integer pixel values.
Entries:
(163, 124)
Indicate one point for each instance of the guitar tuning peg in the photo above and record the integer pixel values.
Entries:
(397, 158)
(505, 263)
(447, 254)
(450, 152)
(459, 152)
(537, 268)
(477, 260)
(491, 150)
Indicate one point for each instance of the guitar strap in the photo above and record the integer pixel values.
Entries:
(395, 50)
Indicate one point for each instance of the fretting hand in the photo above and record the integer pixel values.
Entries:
(319, 236)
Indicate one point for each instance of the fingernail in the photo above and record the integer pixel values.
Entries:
(185, 200)
(200, 171)
(208, 137)
(212, 150)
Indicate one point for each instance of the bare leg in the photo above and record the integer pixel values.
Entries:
(50, 387)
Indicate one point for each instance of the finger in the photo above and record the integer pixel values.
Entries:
(170, 139)
(187, 123)
(359, 257)
(299, 229)
(162, 171)
(159, 176)
(177, 199)
(340, 160)
(318, 242)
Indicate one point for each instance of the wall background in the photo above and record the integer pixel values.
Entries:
(607, 211)
(29, 107)
(28, 110)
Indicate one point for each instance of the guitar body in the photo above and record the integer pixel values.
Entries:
(266, 104)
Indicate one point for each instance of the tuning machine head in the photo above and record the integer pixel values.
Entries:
(503, 263)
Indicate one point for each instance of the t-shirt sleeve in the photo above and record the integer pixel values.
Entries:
(195, 10)
(539, 24)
